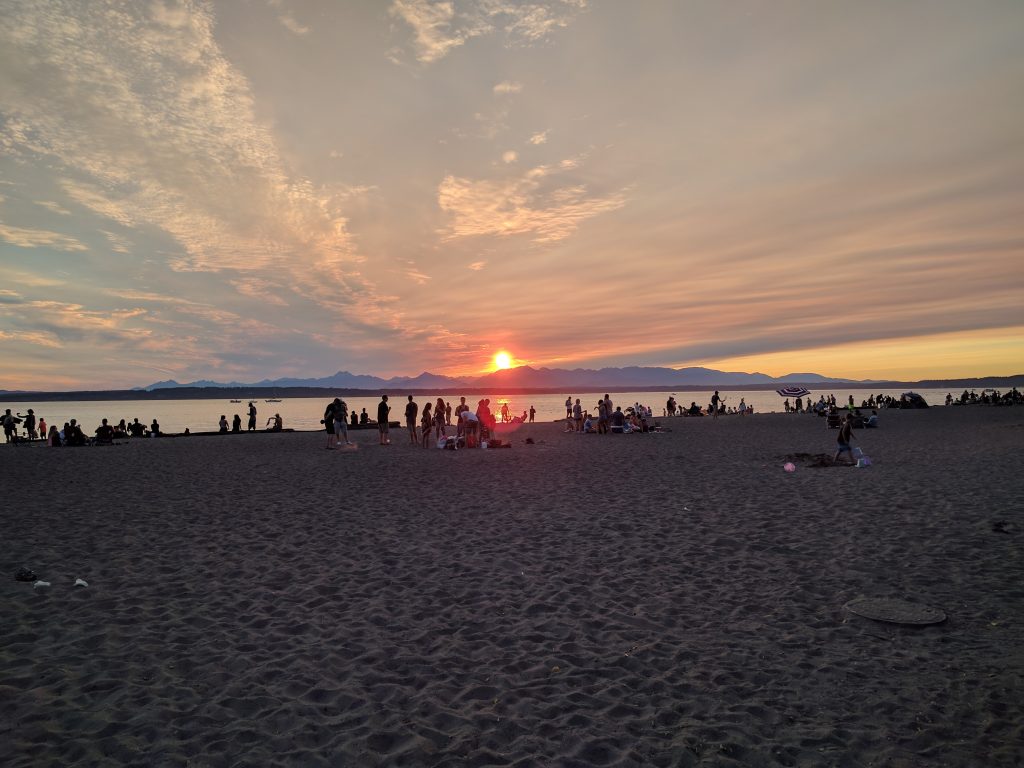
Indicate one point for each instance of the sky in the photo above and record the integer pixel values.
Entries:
(255, 189)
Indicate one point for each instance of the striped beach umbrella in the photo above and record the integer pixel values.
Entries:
(793, 392)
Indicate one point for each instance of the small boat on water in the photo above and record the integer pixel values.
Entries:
(236, 401)
(272, 400)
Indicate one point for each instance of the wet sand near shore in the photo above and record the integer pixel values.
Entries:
(629, 600)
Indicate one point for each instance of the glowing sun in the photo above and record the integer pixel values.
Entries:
(502, 360)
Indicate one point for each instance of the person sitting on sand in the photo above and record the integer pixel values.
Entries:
(73, 434)
(154, 428)
(364, 418)
(104, 434)
(236, 423)
(843, 440)
(135, 429)
(275, 423)
(53, 437)
(223, 424)
(618, 420)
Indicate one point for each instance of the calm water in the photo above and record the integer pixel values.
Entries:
(305, 413)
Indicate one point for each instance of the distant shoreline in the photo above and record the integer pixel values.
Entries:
(262, 393)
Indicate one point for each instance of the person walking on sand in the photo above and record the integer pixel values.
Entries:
(533, 412)
(715, 403)
(383, 410)
(843, 440)
(411, 411)
(568, 407)
(252, 418)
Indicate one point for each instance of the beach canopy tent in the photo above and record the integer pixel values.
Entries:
(912, 400)
(793, 392)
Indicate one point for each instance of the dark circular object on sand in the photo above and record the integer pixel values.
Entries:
(25, 574)
(895, 611)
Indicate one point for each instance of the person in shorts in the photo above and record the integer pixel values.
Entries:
(341, 422)
(411, 410)
(843, 440)
(328, 423)
(383, 409)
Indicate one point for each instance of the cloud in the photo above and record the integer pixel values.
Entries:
(476, 266)
(440, 26)
(154, 128)
(416, 275)
(509, 157)
(523, 205)
(287, 20)
(118, 243)
(539, 138)
(54, 207)
(259, 288)
(37, 238)
(10, 297)
(508, 87)
(35, 338)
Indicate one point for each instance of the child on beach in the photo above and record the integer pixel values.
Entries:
(843, 440)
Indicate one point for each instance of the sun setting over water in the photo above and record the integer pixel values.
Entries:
(502, 361)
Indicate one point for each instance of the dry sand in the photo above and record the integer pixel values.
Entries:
(661, 599)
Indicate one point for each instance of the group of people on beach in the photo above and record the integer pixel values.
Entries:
(72, 434)
(987, 397)
(274, 424)
(610, 418)
(433, 420)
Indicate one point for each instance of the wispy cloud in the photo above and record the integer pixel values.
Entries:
(510, 156)
(440, 26)
(476, 266)
(287, 19)
(539, 138)
(53, 207)
(36, 238)
(531, 204)
(159, 130)
(508, 87)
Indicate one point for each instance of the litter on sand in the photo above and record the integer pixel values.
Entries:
(789, 466)
(41, 584)
(81, 583)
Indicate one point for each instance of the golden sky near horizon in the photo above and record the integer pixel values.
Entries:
(269, 188)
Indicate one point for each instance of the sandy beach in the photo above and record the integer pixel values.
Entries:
(669, 599)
